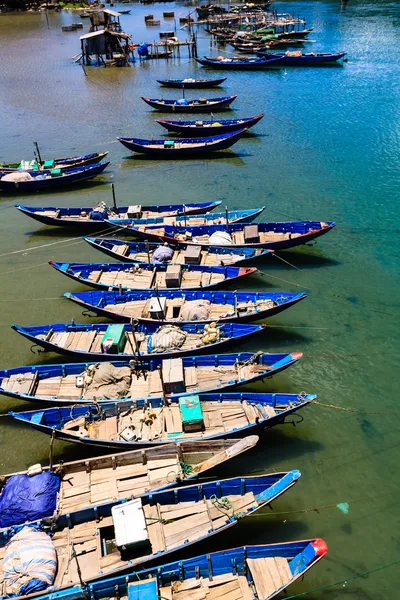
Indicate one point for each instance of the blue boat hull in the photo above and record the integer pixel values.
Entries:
(241, 65)
(97, 303)
(197, 84)
(233, 334)
(195, 106)
(106, 245)
(67, 178)
(194, 128)
(182, 147)
(50, 419)
(306, 60)
(302, 554)
(269, 365)
(68, 216)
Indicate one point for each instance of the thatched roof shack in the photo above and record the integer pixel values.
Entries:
(106, 47)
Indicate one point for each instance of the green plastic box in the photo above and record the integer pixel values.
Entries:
(116, 333)
(55, 172)
(48, 164)
(191, 413)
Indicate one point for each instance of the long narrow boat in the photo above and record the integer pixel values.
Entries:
(182, 148)
(275, 236)
(199, 127)
(88, 545)
(142, 276)
(183, 105)
(80, 383)
(89, 341)
(56, 163)
(298, 59)
(120, 425)
(190, 83)
(79, 485)
(48, 180)
(97, 217)
(140, 252)
(238, 63)
(231, 216)
(235, 573)
(182, 307)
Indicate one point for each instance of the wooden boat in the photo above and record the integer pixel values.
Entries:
(87, 342)
(181, 307)
(190, 83)
(198, 127)
(56, 163)
(125, 11)
(139, 379)
(158, 54)
(182, 148)
(97, 217)
(231, 216)
(48, 180)
(142, 276)
(184, 105)
(275, 236)
(268, 569)
(311, 59)
(140, 252)
(111, 479)
(88, 545)
(239, 63)
(120, 426)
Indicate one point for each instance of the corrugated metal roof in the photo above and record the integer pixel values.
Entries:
(114, 13)
(124, 36)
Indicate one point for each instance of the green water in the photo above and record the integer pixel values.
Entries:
(327, 149)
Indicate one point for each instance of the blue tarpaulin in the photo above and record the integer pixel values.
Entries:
(25, 498)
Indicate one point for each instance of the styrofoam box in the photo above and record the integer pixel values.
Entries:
(129, 523)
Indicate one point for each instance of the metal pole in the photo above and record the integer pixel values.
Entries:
(38, 151)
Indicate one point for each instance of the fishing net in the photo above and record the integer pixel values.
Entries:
(107, 381)
(195, 310)
(219, 238)
(168, 337)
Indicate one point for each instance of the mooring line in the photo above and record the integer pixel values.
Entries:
(354, 410)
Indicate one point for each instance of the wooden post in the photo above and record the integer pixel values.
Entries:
(165, 401)
(159, 303)
(184, 214)
(38, 151)
(53, 435)
(114, 199)
(148, 251)
(226, 217)
(133, 324)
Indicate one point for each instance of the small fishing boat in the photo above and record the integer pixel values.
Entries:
(198, 127)
(85, 546)
(31, 181)
(300, 59)
(181, 307)
(55, 163)
(268, 569)
(126, 11)
(275, 236)
(126, 424)
(239, 63)
(184, 105)
(191, 83)
(42, 492)
(142, 276)
(141, 252)
(99, 216)
(102, 341)
(80, 383)
(182, 148)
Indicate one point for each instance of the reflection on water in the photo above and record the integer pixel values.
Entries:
(328, 148)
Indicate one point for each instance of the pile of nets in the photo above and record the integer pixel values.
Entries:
(195, 310)
(107, 381)
(161, 255)
(220, 238)
(167, 337)
(17, 176)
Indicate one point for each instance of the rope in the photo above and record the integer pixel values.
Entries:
(354, 410)
(317, 508)
(344, 581)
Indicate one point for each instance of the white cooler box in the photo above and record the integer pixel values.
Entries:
(130, 525)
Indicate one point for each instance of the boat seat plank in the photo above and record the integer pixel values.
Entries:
(154, 528)
(269, 574)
